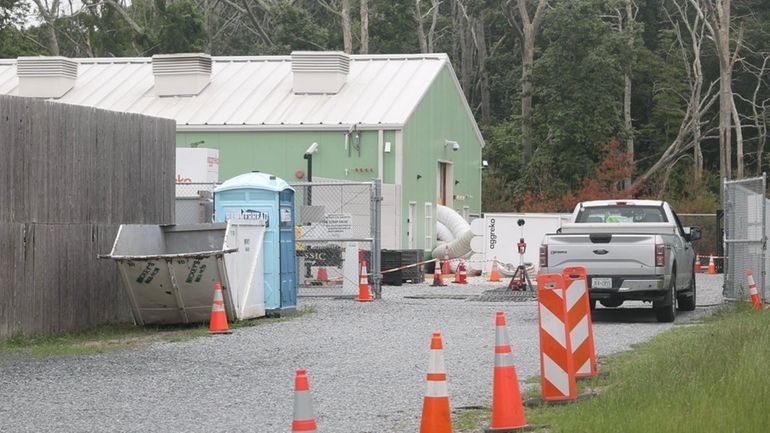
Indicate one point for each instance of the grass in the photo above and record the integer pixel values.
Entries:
(122, 336)
(711, 377)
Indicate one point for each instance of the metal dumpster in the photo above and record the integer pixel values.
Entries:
(170, 271)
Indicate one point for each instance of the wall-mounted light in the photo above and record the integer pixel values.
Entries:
(419, 176)
(455, 145)
(456, 182)
(387, 147)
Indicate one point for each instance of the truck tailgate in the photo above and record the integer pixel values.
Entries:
(603, 254)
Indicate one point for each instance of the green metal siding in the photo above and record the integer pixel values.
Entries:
(440, 116)
(281, 153)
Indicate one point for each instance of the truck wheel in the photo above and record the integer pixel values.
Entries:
(665, 310)
(685, 301)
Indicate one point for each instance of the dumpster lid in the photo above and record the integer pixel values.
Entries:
(256, 180)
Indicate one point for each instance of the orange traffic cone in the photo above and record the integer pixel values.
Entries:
(697, 269)
(218, 322)
(507, 408)
(495, 274)
(461, 274)
(436, 416)
(445, 268)
(712, 267)
(438, 280)
(363, 285)
(304, 420)
(323, 275)
(756, 302)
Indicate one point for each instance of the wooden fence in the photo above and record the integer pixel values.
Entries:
(69, 176)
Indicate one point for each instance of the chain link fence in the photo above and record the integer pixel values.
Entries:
(194, 202)
(745, 237)
(338, 225)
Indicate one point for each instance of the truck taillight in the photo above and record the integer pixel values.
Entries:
(660, 255)
(543, 256)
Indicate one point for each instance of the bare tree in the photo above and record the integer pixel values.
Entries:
(341, 8)
(629, 29)
(364, 27)
(624, 21)
(426, 40)
(758, 119)
(691, 58)
(716, 16)
(697, 101)
(526, 29)
(49, 12)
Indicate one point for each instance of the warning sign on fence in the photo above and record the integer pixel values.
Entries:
(338, 225)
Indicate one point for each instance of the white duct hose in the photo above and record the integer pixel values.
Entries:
(443, 233)
(460, 229)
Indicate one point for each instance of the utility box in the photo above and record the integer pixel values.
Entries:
(264, 197)
(170, 271)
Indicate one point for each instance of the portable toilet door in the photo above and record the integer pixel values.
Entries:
(256, 196)
(288, 250)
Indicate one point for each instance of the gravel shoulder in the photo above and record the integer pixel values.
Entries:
(366, 363)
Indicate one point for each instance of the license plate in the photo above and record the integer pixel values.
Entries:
(601, 283)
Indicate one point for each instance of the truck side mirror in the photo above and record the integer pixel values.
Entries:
(695, 234)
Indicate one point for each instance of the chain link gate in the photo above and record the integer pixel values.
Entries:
(745, 236)
(337, 222)
(194, 203)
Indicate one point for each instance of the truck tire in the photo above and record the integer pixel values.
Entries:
(665, 310)
(685, 302)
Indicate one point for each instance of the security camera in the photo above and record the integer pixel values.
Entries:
(312, 149)
(484, 164)
(455, 146)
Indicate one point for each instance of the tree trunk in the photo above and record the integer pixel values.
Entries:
(627, 120)
(49, 15)
(433, 22)
(481, 48)
(629, 127)
(738, 142)
(347, 27)
(421, 38)
(527, 61)
(526, 30)
(364, 27)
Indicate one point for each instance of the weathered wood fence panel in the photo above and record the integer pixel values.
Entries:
(69, 176)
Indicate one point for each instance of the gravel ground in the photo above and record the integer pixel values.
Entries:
(366, 363)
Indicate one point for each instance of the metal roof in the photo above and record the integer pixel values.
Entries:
(255, 93)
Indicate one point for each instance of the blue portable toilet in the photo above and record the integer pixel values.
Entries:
(264, 196)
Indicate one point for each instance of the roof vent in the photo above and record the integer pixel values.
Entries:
(46, 77)
(181, 74)
(319, 71)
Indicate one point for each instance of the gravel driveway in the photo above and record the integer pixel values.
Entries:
(366, 363)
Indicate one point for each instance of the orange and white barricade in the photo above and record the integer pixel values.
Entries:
(557, 367)
(579, 321)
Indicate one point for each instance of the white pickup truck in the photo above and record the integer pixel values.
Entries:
(631, 250)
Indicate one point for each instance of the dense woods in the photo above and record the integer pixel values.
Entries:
(576, 98)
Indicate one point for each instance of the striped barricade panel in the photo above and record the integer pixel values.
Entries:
(557, 369)
(579, 322)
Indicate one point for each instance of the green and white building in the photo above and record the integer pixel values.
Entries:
(401, 118)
